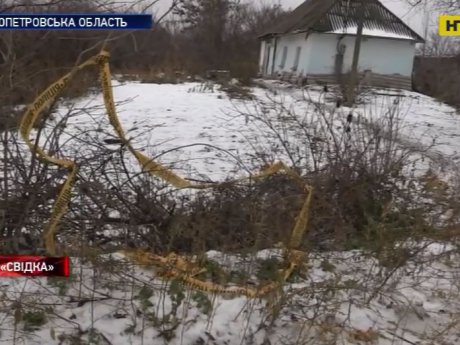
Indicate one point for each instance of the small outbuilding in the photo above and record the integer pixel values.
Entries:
(316, 41)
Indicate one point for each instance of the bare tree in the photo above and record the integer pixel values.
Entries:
(29, 62)
(439, 4)
(437, 45)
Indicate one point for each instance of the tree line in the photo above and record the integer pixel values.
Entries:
(191, 36)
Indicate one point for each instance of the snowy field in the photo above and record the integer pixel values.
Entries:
(426, 123)
(205, 135)
(343, 298)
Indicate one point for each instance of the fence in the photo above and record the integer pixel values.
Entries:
(438, 77)
(367, 78)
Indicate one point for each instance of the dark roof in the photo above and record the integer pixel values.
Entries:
(332, 15)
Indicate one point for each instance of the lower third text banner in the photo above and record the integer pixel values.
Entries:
(34, 266)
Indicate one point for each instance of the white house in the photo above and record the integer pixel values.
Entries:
(316, 41)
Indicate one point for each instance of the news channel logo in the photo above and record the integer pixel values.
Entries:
(449, 25)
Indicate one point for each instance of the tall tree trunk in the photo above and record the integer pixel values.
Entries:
(352, 83)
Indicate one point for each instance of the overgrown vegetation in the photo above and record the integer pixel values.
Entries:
(365, 193)
(372, 221)
(199, 28)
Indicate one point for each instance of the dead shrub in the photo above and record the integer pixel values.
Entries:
(360, 168)
(236, 218)
(244, 70)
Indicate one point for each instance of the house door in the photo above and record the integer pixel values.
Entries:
(267, 55)
(338, 66)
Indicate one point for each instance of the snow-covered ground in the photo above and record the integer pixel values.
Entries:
(204, 134)
(343, 298)
(426, 123)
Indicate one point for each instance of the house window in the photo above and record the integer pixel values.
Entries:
(284, 57)
(297, 58)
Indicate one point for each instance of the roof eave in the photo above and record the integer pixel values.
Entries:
(419, 39)
(267, 35)
(416, 40)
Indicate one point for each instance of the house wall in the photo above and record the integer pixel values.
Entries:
(380, 55)
(291, 41)
(385, 56)
(318, 54)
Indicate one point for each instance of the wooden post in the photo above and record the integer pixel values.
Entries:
(426, 23)
(351, 89)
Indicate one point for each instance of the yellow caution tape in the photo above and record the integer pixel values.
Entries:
(175, 266)
(32, 115)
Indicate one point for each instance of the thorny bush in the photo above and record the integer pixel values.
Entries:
(366, 194)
